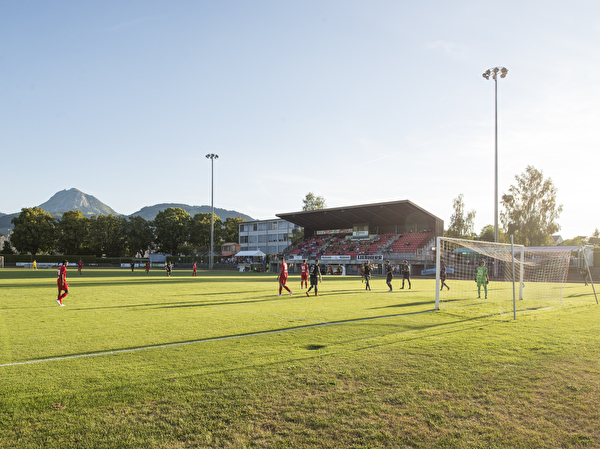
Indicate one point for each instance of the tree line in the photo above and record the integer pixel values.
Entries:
(173, 231)
(530, 213)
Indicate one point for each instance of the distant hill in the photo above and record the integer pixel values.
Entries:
(89, 205)
(74, 199)
(62, 202)
(5, 223)
(149, 212)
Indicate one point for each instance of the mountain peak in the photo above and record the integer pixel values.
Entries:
(74, 199)
(88, 205)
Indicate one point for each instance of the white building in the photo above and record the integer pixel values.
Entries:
(268, 236)
(3, 239)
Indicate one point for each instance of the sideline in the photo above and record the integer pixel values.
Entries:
(208, 340)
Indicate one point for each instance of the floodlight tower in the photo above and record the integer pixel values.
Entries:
(212, 158)
(493, 73)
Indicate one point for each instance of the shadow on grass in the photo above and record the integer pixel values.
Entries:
(219, 338)
(404, 304)
(175, 305)
(35, 280)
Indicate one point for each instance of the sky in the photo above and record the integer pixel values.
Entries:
(355, 101)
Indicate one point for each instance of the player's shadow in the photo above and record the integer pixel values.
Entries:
(404, 304)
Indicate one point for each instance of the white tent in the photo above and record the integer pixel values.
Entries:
(253, 253)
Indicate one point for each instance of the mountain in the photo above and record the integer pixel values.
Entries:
(5, 223)
(149, 212)
(89, 205)
(74, 199)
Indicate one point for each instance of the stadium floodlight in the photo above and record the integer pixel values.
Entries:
(212, 158)
(493, 73)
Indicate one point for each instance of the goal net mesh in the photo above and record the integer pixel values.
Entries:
(540, 274)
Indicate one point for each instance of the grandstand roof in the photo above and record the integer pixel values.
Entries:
(380, 214)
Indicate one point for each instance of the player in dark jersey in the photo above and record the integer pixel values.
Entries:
(315, 278)
(443, 274)
(61, 280)
(585, 276)
(368, 268)
(389, 272)
(405, 274)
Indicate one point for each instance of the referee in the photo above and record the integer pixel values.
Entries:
(315, 277)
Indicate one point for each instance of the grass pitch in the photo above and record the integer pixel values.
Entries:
(142, 360)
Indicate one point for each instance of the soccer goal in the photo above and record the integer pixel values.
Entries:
(520, 277)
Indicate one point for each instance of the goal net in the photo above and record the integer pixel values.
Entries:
(539, 274)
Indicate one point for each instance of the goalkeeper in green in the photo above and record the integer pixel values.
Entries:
(481, 277)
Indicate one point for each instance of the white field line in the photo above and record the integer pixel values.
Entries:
(206, 340)
(270, 314)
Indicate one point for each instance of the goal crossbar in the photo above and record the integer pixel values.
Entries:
(510, 268)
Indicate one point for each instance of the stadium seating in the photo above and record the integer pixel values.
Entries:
(333, 245)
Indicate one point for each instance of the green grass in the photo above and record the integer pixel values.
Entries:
(136, 360)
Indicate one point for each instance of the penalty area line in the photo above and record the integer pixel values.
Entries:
(206, 340)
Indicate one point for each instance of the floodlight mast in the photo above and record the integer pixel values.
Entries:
(493, 73)
(212, 158)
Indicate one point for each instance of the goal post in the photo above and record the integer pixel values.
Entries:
(458, 260)
(540, 274)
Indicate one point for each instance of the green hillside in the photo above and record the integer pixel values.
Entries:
(149, 212)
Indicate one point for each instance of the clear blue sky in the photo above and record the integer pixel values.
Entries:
(357, 101)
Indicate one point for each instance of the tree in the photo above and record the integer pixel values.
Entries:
(107, 235)
(171, 229)
(488, 235)
(297, 236)
(595, 238)
(461, 224)
(73, 233)
(531, 212)
(6, 248)
(580, 240)
(139, 235)
(312, 202)
(34, 231)
(200, 230)
(231, 233)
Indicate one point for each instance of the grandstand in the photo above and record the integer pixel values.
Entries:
(345, 237)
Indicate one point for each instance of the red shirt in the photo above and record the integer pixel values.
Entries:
(303, 268)
(61, 275)
(283, 270)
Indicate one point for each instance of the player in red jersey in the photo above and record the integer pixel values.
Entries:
(283, 274)
(62, 282)
(303, 274)
(79, 265)
(147, 267)
(194, 269)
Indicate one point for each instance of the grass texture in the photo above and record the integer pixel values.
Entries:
(138, 360)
